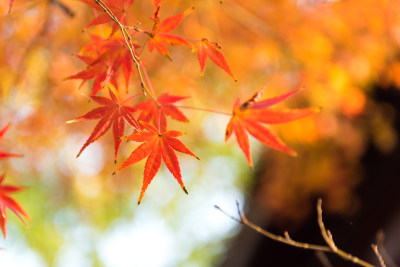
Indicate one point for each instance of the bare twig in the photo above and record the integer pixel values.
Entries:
(387, 259)
(286, 239)
(326, 234)
(129, 44)
(283, 239)
(378, 254)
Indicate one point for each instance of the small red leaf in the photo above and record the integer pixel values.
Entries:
(250, 115)
(212, 50)
(113, 113)
(156, 146)
(160, 37)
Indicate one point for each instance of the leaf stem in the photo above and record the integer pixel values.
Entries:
(126, 100)
(170, 34)
(147, 79)
(206, 110)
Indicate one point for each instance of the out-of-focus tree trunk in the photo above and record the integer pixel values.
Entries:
(378, 207)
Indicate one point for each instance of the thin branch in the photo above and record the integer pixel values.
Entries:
(329, 241)
(380, 237)
(282, 239)
(378, 255)
(129, 44)
(286, 239)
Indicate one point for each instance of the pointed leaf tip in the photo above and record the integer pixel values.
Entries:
(184, 190)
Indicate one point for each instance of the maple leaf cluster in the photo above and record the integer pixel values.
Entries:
(149, 118)
(110, 58)
(105, 58)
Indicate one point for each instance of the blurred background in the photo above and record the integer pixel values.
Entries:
(346, 54)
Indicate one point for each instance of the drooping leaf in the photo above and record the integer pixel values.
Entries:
(7, 202)
(118, 7)
(250, 116)
(4, 154)
(206, 49)
(112, 112)
(156, 146)
(150, 110)
(160, 36)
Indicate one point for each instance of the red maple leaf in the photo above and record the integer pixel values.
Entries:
(252, 114)
(7, 202)
(150, 110)
(118, 7)
(160, 36)
(3, 154)
(156, 146)
(104, 57)
(113, 112)
(209, 49)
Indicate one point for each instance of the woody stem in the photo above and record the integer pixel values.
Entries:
(129, 44)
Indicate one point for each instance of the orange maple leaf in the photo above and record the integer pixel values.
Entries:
(7, 202)
(113, 112)
(252, 114)
(118, 7)
(160, 36)
(150, 110)
(104, 57)
(3, 154)
(209, 49)
(156, 146)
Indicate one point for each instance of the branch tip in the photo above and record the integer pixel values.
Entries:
(184, 190)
